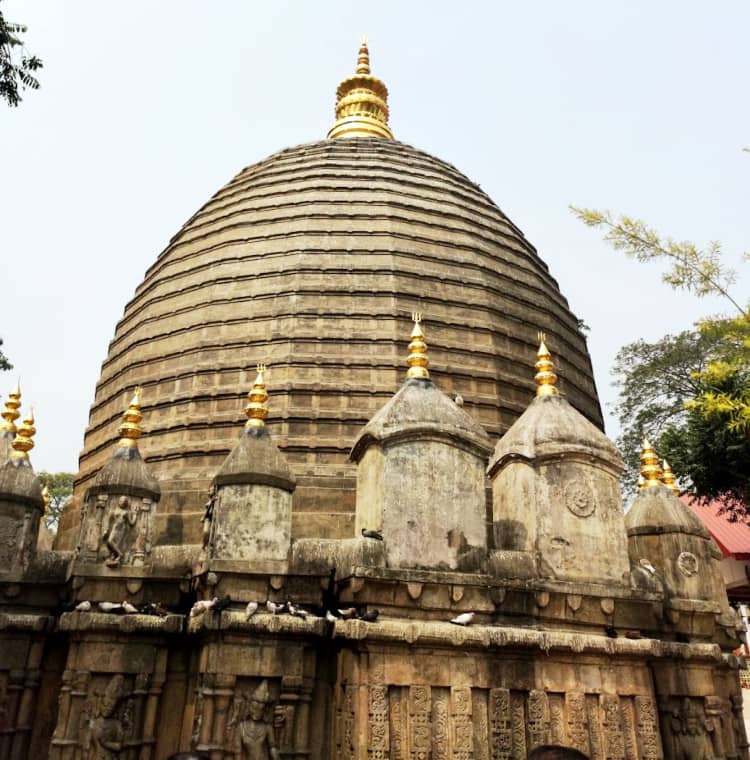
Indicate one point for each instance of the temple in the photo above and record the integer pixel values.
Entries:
(345, 494)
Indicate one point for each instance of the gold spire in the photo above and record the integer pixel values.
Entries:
(130, 429)
(257, 408)
(22, 443)
(45, 499)
(417, 359)
(668, 478)
(361, 103)
(10, 414)
(545, 377)
(650, 469)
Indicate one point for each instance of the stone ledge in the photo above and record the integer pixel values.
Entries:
(24, 622)
(102, 621)
(261, 622)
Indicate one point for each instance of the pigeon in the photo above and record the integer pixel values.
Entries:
(463, 619)
(83, 606)
(459, 399)
(110, 607)
(128, 608)
(330, 617)
(370, 616)
(201, 606)
(250, 609)
(153, 608)
(376, 534)
(349, 612)
(275, 609)
(646, 565)
(297, 611)
(221, 604)
(611, 631)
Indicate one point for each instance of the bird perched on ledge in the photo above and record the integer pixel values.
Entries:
(376, 534)
(463, 619)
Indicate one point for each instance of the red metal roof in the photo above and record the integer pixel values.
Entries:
(733, 538)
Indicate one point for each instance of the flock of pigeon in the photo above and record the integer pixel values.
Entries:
(275, 608)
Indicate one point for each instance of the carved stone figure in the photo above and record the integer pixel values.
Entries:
(121, 520)
(690, 733)
(253, 732)
(109, 728)
(208, 515)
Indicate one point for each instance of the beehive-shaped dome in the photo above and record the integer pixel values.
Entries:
(312, 261)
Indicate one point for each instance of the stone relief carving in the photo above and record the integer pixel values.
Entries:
(501, 737)
(687, 564)
(462, 738)
(378, 734)
(116, 530)
(648, 729)
(579, 499)
(575, 708)
(108, 721)
(12, 540)
(538, 719)
(614, 744)
(691, 732)
(420, 704)
(345, 717)
(207, 520)
(250, 727)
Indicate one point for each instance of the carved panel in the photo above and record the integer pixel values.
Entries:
(397, 730)
(715, 715)
(518, 726)
(575, 708)
(440, 727)
(614, 744)
(254, 719)
(377, 727)
(480, 724)
(628, 729)
(579, 498)
(595, 732)
(345, 723)
(463, 732)
(420, 707)
(687, 563)
(501, 739)
(538, 718)
(556, 719)
(648, 729)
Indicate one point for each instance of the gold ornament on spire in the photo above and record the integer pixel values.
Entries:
(545, 377)
(45, 499)
(257, 408)
(10, 414)
(130, 429)
(668, 478)
(417, 359)
(650, 468)
(361, 103)
(22, 443)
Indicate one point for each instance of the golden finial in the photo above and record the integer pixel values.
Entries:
(257, 408)
(417, 359)
(130, 429)
(650, 469)
(361, 103)
(668, 478)
(545, 377)
(22, 443)
(45, 498)
(10, 414)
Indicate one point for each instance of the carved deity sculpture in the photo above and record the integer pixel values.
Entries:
(208, 515)
(253, 732)
(109, 726)
(690, 732)
(122, 518)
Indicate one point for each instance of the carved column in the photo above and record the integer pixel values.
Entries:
(738, 720)
(152, 704)
(649, 740)
(207, 713)
(78, 696)
(63, 713)
(223, 693)
(25, 713)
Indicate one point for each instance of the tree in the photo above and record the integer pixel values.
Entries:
(16, 65)
(60, 485)
(690, 393)
(4, 363)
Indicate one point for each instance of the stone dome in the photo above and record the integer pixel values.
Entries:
(312, 261)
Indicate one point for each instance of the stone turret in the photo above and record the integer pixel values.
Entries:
(117, 526)
(249, 515)
(556, 497)
(21, 502)
(667, 538)
(420, 474)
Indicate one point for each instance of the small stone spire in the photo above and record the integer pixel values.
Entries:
(417, 359)
(650, 469)
(22, 444)
(545, 377)
(668, 478)
(10, 414)
(130, 429)
(361, 103)
(257, 408)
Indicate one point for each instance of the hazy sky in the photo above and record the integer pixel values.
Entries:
(147, 108)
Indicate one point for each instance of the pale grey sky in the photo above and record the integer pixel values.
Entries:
(146, 109)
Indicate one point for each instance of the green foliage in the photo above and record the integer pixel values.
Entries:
(60, 485)
(16, 65)
(690, 393)
(4, 363)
